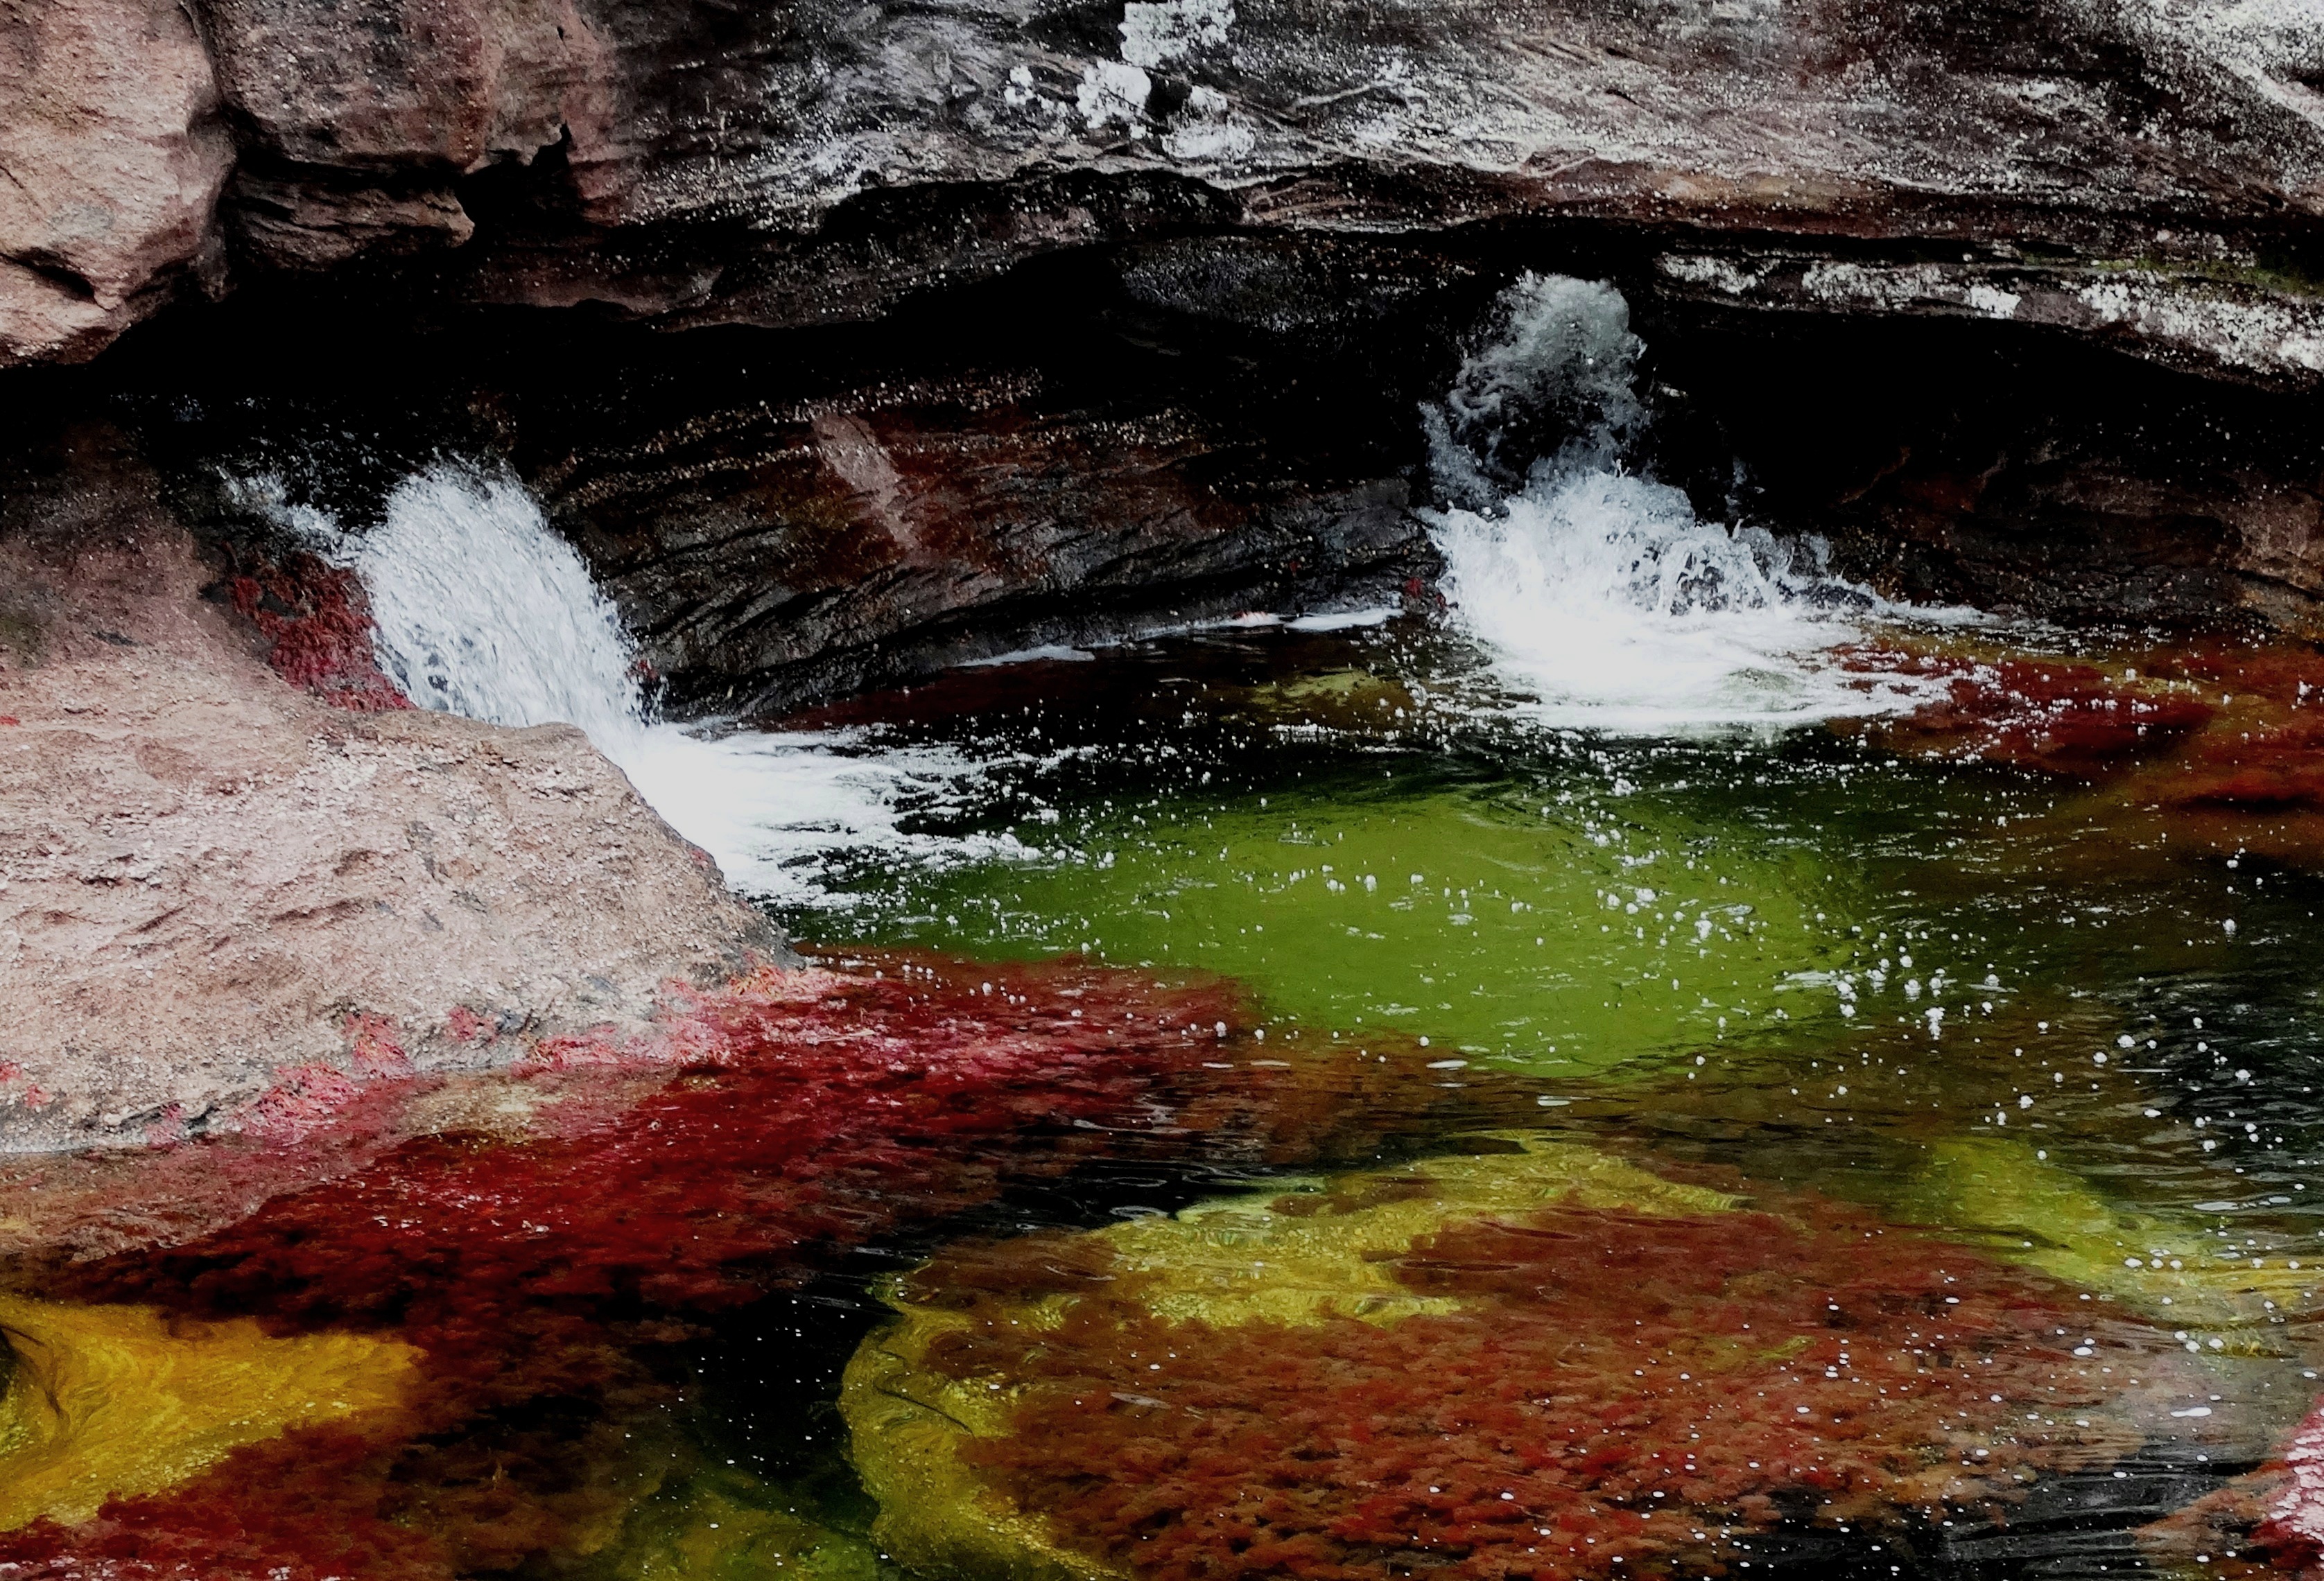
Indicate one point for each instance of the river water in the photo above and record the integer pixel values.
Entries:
(1663, 1064)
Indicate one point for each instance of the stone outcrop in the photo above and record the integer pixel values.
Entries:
(2007, 471)
(112, 159)
(1188, 429)
(223, 900)
(2151, 174)
(2239, 325)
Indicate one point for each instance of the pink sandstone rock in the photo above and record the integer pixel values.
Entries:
(112, 158)
(214, 885)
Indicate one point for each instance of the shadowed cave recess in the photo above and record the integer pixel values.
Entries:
(1110, 441)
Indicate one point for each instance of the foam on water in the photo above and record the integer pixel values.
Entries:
(481, 610)
(1600, 594)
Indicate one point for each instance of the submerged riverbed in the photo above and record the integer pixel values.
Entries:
(1660, 1063)
(1940, 1128)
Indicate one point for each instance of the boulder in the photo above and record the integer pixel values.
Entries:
(228, 901)
(112, 158)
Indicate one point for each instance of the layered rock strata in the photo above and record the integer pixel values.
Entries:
(791, 555)
(2145, 173)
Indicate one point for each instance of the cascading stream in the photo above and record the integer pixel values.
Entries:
(481, 610)
(1602, 599)
(1601, 593)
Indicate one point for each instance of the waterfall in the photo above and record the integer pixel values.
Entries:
(1599, 594)
(481, 610)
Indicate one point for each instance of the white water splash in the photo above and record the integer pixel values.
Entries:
(1601, 594)
(481, 610)
(1554, 371)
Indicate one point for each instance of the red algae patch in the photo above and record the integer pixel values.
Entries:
(2252, 780)
(801, 1099)
(550, 1276)
(1606, 1380)
(2055, 716)
(2265, 752)
(2289, 1494)
(2263, 770)
(317, 624)
(2223, 743)
(2269, 1522)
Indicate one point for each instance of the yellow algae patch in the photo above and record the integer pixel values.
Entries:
(2167, 1267)
(905, 1422)
(104, 1401)
(1301, 1257)
(1300, 1254)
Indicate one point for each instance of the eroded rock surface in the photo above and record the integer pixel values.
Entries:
(112, 158)
(219, 888)
(776, 556)
(2015, 473)
(693, 162)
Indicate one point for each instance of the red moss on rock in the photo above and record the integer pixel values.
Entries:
(2268, 770)
(1619, 1394)
(317, 624)
(302, 1507)
(2053, 716)
(666, 1180)
(2267, 1522)
(2291, 674)
(814, 1106)
(2227, 740)
(2292, 1529)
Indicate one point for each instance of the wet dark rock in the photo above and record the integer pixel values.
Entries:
(778, 557)
(313, 223)
(1999, 468)
(1183, 430)
(2242, 322)
(785, 518)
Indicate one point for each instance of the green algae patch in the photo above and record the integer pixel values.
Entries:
(1538, 1361)
(724, 1525)
(2165, 1265)
(106, 1402)
(1554, 934)
(1302, 1256)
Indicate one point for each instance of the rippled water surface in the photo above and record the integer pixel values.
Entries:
(2064, 1022)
